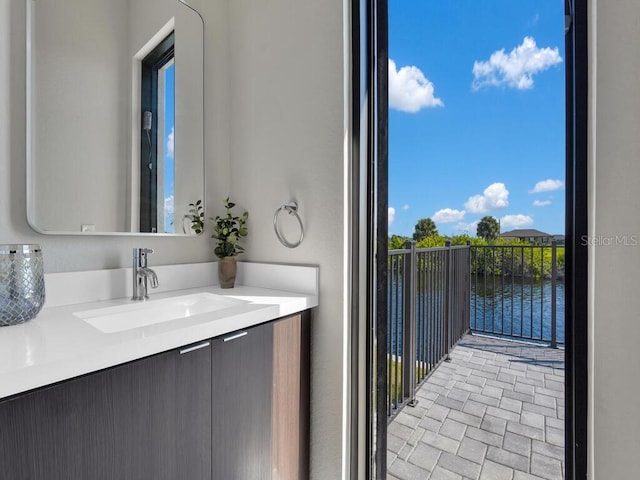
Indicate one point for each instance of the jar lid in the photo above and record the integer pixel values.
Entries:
(19, 248)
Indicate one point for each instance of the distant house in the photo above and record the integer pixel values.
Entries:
(530, 235)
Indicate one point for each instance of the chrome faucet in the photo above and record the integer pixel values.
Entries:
(142, 274)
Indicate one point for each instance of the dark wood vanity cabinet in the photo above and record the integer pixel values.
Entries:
(148, 419)
(236, 409)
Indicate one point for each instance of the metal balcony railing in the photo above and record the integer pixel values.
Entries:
(518, 291)
(437, 295)
(428, 312)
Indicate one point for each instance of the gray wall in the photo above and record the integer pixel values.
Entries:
(287, 134)
(74, 61)
(615, 270)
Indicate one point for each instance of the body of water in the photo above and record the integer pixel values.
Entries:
(521, 308)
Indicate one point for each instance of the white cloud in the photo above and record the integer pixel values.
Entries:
(410, 90)
(405, 207)
(495, 196)
(169, 204)
(541, 203)
(516, 68)
(469, 228)
(515, 221)
(391, 215)
(170, 143)
(169, 209)
(448, 215)
(534, 21)
(548, 185)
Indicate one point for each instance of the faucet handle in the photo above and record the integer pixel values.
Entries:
(143, 256)
(140, 256)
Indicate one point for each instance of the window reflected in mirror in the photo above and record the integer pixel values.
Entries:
(157, 166)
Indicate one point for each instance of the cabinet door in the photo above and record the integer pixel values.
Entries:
(149, 419)
(241, 401)
(261, 402)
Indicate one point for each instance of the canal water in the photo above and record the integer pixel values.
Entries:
(521, 308)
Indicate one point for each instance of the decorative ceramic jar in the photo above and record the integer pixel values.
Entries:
(21, 283)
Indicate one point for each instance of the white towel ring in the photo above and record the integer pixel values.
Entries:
(292, 209)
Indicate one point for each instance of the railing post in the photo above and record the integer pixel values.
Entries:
(554, 274)
(409, 325)
(468, 311)
(447, 301)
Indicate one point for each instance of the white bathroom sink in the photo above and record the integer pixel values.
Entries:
(142, 314)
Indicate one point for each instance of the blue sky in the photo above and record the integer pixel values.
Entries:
(476, 117)
(169, 148)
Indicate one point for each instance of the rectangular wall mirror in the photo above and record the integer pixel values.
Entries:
(115, 116)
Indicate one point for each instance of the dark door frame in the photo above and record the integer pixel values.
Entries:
(369, 123)
(576, 254)
(368, 234)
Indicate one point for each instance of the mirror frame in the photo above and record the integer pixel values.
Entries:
(30, 194)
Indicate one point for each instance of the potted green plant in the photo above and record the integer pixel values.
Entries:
(228, 229)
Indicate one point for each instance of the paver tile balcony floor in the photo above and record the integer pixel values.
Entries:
(495, 412)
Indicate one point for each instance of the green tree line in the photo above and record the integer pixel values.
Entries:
(513, 257)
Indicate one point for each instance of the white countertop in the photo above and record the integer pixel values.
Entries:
(57, 345)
